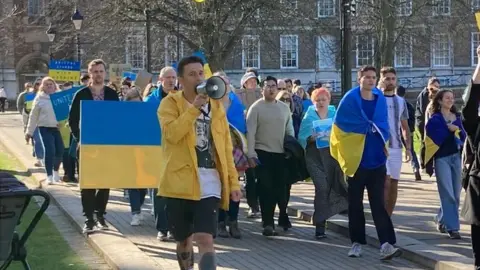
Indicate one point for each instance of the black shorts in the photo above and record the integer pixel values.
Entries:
(186, 217)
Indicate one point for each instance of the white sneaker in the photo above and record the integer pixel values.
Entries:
(39, 163)
(355, 251)
(387, 252)
(50, 179)
(136, 220)
(162, 236)
(56, 177)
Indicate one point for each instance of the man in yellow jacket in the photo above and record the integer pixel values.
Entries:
(198, 174)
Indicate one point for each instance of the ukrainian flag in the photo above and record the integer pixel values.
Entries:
(206, 67)
(351, 126)
(29, 97)
(119, 145)
(436, 132)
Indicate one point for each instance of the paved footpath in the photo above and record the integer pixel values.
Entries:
(296, 249)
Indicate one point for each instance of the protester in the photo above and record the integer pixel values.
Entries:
(43, 117)
(248, 94)
(301, 93)
(327, 176)
(85, 79)
(21, 104)
(167, 79)
(397, 122)
(3, 99)
(93, 200)
(236, 118)
(38, 150)
(444, 138)
(420, 113)
(471, 178)
(198, 173)
(401, 91)
(364, 109)
(296, 106)
(268, 122)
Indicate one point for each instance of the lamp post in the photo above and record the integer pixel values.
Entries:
(51, 33)
(77, 20)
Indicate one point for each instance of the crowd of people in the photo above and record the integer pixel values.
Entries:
(267, 133)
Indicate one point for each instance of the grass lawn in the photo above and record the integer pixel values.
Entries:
(46, 247)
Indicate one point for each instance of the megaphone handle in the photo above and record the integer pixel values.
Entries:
(209, 109)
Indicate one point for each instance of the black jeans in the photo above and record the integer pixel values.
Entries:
(476, 244)
(251, 189)
(94, 200)
(374, 181)
(3, 102)
(271, 185)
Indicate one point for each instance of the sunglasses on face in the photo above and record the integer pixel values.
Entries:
(281, 89)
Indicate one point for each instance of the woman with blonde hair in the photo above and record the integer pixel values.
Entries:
(43, 117)
(300, 92)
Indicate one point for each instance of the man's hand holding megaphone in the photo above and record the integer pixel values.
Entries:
(200, 100)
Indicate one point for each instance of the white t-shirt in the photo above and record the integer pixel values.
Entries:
(210, 184)
(394, 119)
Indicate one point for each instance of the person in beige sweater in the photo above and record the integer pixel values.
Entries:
(43, 117)
(268, 122)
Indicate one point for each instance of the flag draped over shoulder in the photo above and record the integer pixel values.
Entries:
(351, 126)
(436, 132)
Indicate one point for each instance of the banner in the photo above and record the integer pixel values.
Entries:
(29, 97)
(131, 75)
(115, 72)
(64, 71)
(61, 102)
(321, 131)
(119, 145)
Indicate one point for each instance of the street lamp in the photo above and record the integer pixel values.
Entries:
(77, 20)
(51, 33)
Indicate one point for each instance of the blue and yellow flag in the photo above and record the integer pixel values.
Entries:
(61, 102)
(436, 132)
(64, 71)
(206, 67)
(119, 145)
(351, 126)
(29, 97)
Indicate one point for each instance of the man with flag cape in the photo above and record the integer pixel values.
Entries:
(359, 135)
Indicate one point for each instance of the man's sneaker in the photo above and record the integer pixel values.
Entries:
(170, 236)
(89, 226)
(253, 213)
(101, 223)
(222, 230)
(56, 177)
(136, 220)
(441, 228)
(269, 231)
(387, 252)
(355, 251)
(165, 236)
(234, 230)
(284, 222)
(320, 235)
(50, 179)
(454, 235)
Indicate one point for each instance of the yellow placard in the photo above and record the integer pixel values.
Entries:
(65, 132)
(64, 75)
(477, 18)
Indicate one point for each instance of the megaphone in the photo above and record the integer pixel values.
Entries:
(214, 87)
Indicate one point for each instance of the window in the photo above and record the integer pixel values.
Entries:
(441, 7)
(365, 50)
(405, 8)
(444, 81)
(135, 49)
(326, 51)
(36, 7)
(475, 43)
(250, 52)
(403, 51)
(475, 5)
(288, 51)
(331, 85)
(441, 50)
(405, 82)
(171, 50)
(326, 8)
(289, 3)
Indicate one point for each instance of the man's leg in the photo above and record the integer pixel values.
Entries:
(180, 215)
(375, 188)
(266, 187)
(205, 228)
(88, 204)
(101, 201)
(356, 216)
(394, 168)
(251, 192)
(476, 244)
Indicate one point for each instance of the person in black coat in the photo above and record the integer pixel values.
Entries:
(93, 200)
(471, 123)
